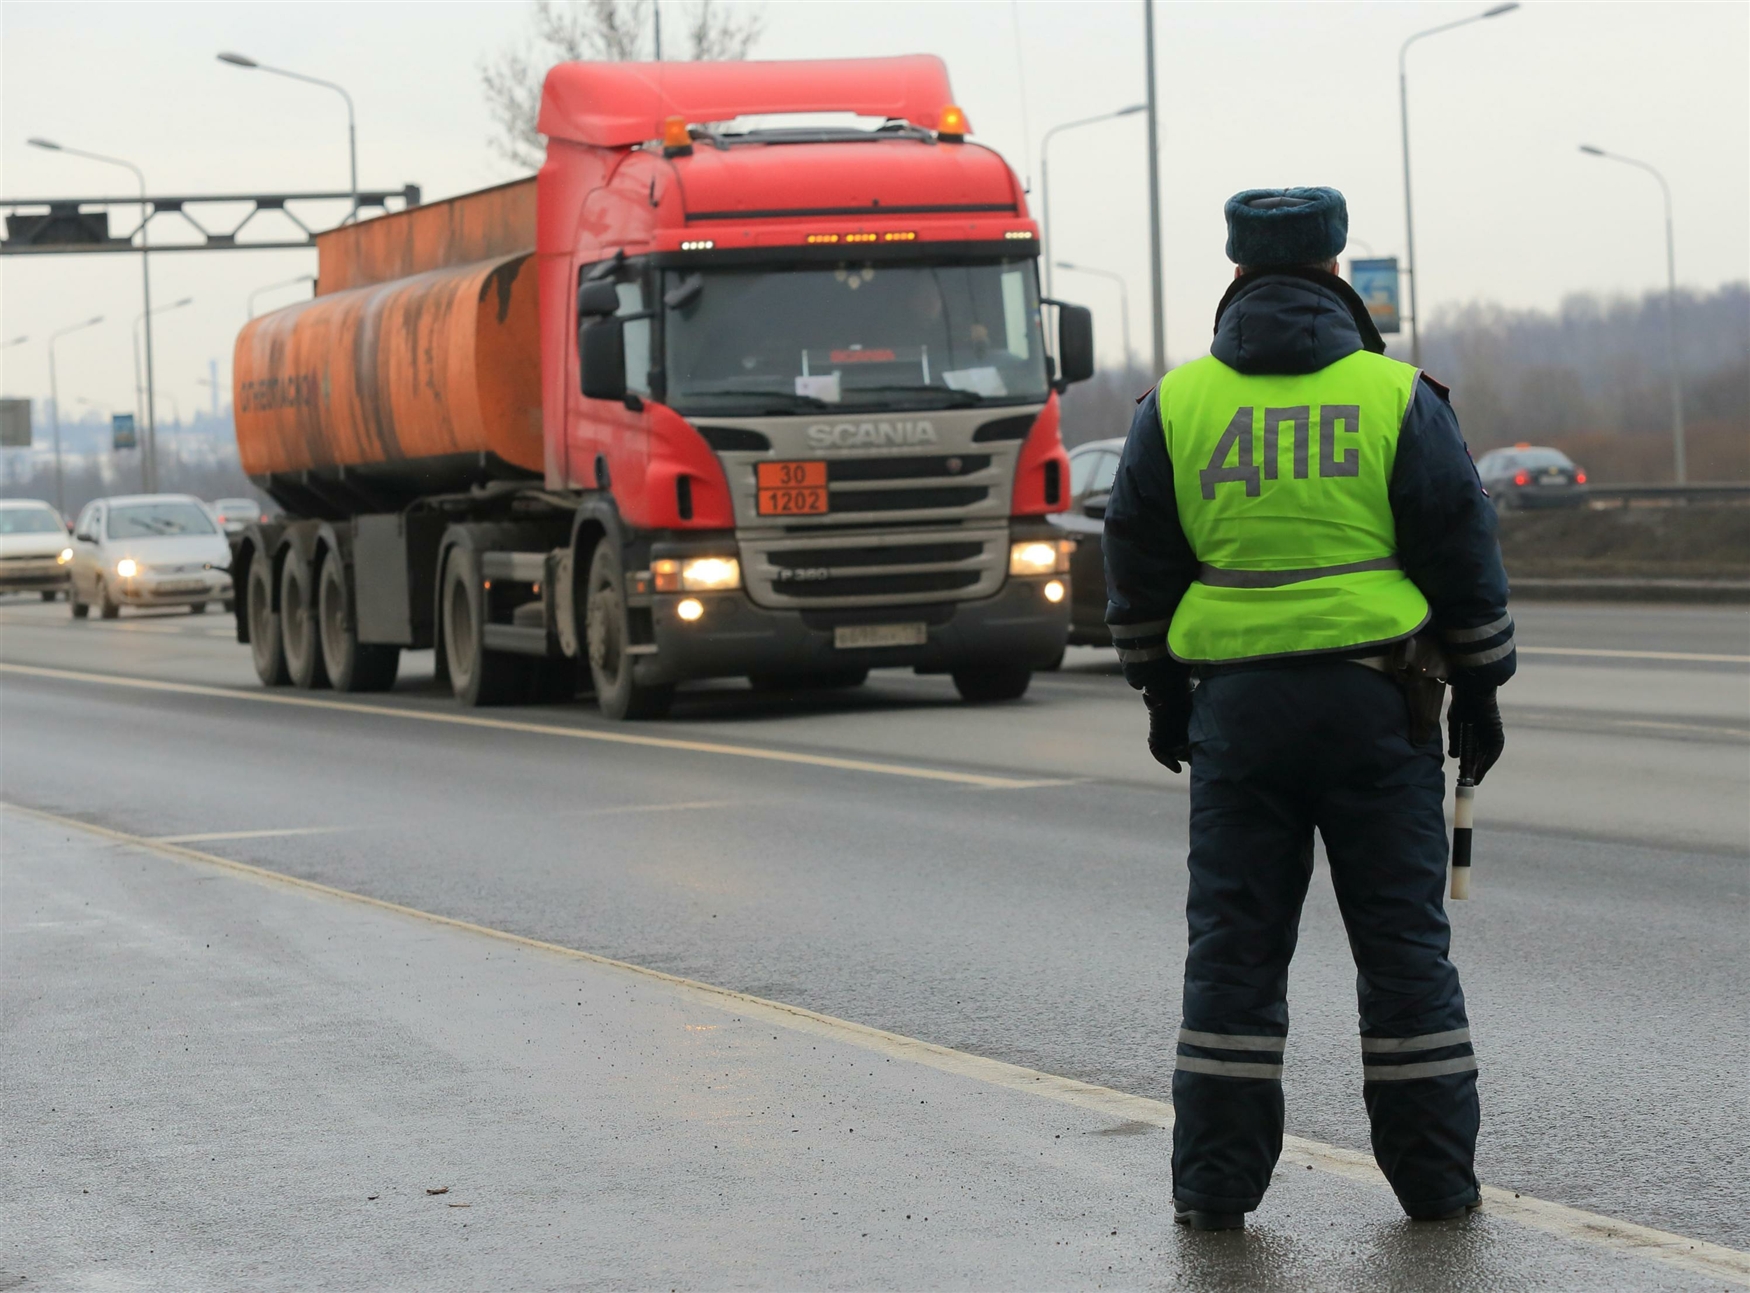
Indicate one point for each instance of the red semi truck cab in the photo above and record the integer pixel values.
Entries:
(799, 418)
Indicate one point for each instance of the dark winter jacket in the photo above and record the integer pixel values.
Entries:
(1296, 322)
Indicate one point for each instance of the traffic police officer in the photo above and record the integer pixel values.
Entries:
(1295, 516)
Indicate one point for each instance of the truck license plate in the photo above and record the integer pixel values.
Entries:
(791, 488)
(852, 636)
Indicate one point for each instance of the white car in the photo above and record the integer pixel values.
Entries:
(148, 550)
(235, 514)
(34, 552)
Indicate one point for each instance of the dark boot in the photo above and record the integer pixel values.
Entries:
(1199, 1220)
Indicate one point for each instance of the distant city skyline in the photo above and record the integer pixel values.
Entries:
(1507, 208)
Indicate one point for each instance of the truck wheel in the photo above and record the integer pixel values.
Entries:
(106, 607)
(266, 648)
(980, 684)
(298, 623)
(617, 694)
(351, 666)
(477, 676)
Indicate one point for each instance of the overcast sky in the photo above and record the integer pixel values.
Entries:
(1507, 209)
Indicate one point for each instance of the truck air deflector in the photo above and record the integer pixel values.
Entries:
(613, 105)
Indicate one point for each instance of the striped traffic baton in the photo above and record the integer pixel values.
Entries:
(1462, 798)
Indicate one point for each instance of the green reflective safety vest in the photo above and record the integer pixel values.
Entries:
(1282, 487)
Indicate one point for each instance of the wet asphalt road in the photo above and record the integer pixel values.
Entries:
(1603, 957)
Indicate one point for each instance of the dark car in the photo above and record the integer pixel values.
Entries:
(1531, 476)
(1092, 469)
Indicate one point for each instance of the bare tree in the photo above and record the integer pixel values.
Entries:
(611, 31)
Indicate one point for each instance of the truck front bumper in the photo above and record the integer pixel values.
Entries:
(735, 637)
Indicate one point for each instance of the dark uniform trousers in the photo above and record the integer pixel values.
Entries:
(1277, 752)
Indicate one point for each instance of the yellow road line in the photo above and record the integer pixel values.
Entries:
(1603, 654)
(210, 837)
(1694, 1255)
(981, 780)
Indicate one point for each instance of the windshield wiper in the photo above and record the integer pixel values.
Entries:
(785, 399)
(953, 398)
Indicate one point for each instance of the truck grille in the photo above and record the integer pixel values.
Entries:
(860, 568)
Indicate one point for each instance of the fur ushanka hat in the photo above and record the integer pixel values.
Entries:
(1282, 228)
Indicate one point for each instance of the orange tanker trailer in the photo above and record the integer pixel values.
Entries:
(415, 370)
(695, 401)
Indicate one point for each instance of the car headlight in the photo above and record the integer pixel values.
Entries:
(126, 568)
(1040, 557)
(65, 556)
(696, 574)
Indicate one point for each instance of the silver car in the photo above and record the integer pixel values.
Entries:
(34, 553)
(236, 514)
(148, 550)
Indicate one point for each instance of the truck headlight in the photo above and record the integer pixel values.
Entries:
(1039, 557)
(65, 556)
(126, 568)
(696, 574)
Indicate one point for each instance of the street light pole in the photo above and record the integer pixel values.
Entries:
(1410, 267)
(352, 143)
(274, 287)
(1677, 446)
(1123, 299)
(1156, 281)
(55, 401)
(149, 459)
(150, 447)
(1044, 173)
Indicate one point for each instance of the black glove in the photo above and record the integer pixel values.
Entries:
(1169, 723)
(1474, 706)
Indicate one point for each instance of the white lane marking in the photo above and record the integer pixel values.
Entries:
(209, 837)
(212, 837)
(1694, 1255)
(1683, 727)
(981, 780)
(1603, 654)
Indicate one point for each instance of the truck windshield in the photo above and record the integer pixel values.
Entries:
(853, 336)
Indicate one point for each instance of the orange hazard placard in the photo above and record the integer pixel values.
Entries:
(791, 488)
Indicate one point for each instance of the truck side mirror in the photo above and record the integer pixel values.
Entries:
(601, 355)
(1075, 344)
(596, 299)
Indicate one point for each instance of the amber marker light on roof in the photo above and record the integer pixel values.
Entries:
(899, 235)
(954, 126)
(860, 237)
(677, 140)
(822, 237)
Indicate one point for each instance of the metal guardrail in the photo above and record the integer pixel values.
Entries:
(1721, 491)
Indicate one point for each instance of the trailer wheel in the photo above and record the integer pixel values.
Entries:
(618, 694)
(477, 676)
(981, 684)
(266, 648)
(352, 665)
(298, 622)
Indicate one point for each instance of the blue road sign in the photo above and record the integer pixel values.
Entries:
(122, 425)
(1376, 283)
